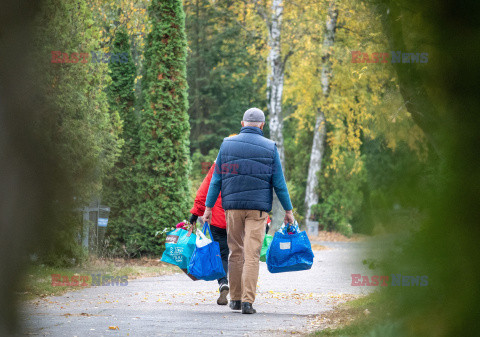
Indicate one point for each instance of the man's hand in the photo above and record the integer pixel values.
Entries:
(207, 215)
(288, 217)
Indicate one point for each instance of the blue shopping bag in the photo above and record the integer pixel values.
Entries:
(179, 247)
(206, 262)
(289, 252)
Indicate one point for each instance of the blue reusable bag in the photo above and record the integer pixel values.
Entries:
(289, 252)
(206, 262)
(179, 247)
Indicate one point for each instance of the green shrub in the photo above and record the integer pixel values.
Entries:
(340, 196)
(344, 228)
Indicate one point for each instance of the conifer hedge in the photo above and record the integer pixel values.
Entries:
(120, 188)
(163, 159)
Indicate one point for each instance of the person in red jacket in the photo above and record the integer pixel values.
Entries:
(218, 228)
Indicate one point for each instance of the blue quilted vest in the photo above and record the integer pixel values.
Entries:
(247, 168)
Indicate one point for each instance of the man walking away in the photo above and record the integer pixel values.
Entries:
(248, 168)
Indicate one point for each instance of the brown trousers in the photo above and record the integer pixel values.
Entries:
(245, 234)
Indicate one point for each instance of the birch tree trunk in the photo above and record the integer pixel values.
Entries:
(315, 165)
(275, 77)
(276, 68)
(319, 134)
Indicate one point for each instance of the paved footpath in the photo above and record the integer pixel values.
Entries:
(176, 306)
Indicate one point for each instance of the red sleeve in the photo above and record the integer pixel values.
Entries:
(199, 205)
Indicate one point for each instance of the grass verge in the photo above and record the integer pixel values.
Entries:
(355, 318)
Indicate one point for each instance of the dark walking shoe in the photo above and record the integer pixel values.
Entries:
(222, 299)
(247, 308)
(236, 305)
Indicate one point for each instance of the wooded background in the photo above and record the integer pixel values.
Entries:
(344, 130)
(358, 140)
(367, 147)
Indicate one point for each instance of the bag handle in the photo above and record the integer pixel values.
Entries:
(202, 240)
(201, 235)
(192, 228)
(286, 228)
(206, 227)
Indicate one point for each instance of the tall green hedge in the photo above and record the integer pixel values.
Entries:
(120, 189)
(163, 160)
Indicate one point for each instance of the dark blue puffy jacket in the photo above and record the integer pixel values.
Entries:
(246, 165)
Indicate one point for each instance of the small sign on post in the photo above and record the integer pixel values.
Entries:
(94, 214)
(102, 222)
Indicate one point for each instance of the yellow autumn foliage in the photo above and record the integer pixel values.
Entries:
(364, 100)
